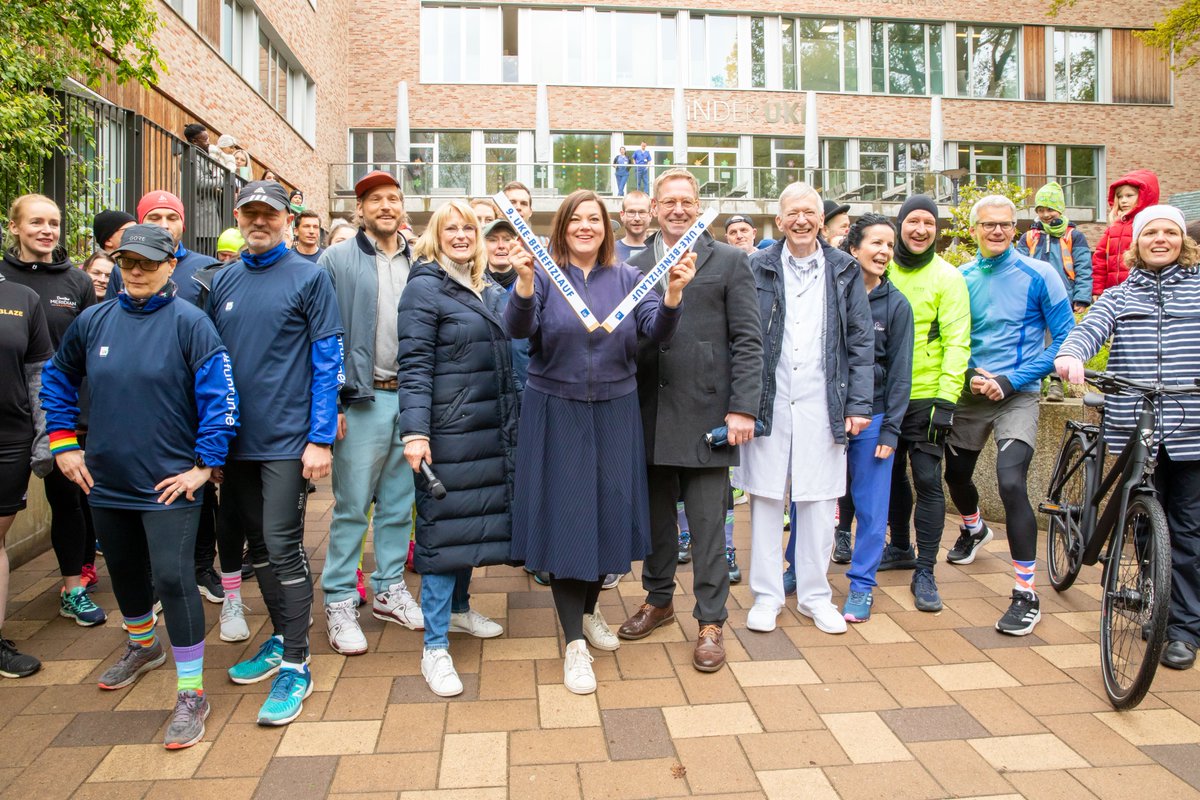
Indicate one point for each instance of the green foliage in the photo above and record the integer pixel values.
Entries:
(963, 248)
(44, 42)
(1178, 30)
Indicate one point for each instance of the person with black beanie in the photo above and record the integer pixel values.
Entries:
(107, 227)
(942, 346)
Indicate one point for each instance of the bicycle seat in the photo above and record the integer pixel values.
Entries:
(1094, 400)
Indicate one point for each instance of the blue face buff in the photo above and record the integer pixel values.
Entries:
(263, 260)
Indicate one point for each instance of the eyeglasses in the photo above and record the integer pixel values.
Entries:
(685, 204)
(139, 263)
(792, 216)
(454, 230)
(992, 227)
(636, 214)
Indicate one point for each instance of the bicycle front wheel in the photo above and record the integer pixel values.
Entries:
(1064, 533)
(1133, 608)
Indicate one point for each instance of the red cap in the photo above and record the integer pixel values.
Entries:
(373, 179)
(159, 199)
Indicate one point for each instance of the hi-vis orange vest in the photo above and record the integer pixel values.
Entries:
(1031, 239)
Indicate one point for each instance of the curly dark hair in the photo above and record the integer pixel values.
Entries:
(854, 236)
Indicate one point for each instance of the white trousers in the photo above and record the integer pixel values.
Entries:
(813, 524)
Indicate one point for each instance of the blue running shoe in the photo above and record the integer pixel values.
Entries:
(685, 547)
(286, 700)
(76, 605)
(263, 665)
(789, 582)
(924, 589)
(858, 606)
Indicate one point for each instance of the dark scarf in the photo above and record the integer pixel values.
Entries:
(264, 260)
(151, 304)
(505, 279)
(903, 256)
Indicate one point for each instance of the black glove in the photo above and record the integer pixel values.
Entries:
(941, 419)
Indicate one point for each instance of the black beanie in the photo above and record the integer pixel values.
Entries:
(106, 223)
(903, 256)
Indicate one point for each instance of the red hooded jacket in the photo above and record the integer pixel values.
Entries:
(1108, 262)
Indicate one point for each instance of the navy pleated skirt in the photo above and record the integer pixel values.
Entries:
(581, 506)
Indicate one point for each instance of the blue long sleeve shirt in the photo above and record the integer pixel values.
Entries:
(1015, 300)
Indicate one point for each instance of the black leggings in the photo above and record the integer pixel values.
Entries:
(1013, 458)
(162, 542)
(930, 517)
(266, 499)
(68, 526)
(572, 599)
(206, 533)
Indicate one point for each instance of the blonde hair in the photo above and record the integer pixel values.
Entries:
(675, 173)
(429, 245)
(1189, 255)
(17, 210)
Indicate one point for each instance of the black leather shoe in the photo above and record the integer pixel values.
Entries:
(1179, 655)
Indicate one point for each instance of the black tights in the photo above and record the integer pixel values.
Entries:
(68, 526)
(1013, 458)
(572, 599)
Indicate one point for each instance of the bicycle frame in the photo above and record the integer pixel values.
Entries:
(1132, 471)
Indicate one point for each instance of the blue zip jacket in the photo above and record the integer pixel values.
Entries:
(187, 264)
(1050, 249)
(161, 386)
(1015, 299)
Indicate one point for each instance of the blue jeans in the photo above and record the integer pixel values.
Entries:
(369, 462)
(442, 595)
(870, 488)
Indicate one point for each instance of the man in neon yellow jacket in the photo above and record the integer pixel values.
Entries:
(942, 346)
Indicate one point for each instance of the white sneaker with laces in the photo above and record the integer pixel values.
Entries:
(439, 672)
(761, 618)
(598, 634)
(233, 620)
(577, 669)
(475, 624)
(398, 606)
(825, 616)
(341, 622)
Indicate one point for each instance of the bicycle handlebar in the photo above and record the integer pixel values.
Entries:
(1112, 383)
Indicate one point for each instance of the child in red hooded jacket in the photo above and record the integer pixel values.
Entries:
(1126, 197)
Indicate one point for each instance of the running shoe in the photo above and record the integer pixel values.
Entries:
(789, 581)
(209, 584)
(75, 604)
(473, 623)
(233, 620)
(968, 544)
(611, 580)
(187, 722)
(361, 586)
(924, 589)
(15, 664)
(132, 664)
(857, 607)
(87, 577)
(1023, 614)
(397, 605)
(735, 572)
(685, 547)
(843, 551)
(288, 692)
(897, 558)
(261, 665)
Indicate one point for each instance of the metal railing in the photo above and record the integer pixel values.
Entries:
(113, 157)
(719, 182)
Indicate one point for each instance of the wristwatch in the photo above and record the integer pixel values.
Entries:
(200, 463)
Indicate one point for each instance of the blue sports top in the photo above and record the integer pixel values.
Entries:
(278, 315)
(1015, 300)
(161, 390)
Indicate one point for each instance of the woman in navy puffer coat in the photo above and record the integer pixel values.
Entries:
(458, 412)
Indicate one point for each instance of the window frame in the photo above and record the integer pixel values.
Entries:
(969, 39)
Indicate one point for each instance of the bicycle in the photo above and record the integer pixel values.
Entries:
(1136, 579)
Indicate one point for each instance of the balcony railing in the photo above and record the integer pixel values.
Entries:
(722, 182)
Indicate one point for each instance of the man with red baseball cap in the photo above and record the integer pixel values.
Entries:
(369, 273)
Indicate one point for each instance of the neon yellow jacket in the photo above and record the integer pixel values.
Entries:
(941, 327)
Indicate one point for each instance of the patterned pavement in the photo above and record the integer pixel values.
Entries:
(909, 705)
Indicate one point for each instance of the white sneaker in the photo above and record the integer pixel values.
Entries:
(826, 617)
(475, 624)
(341, 622)
(438, 669)
(397, 605)
(598, 634)
(577, 669)
(761, 618)
(233, 620)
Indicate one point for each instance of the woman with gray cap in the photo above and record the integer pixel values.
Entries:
(160, 426)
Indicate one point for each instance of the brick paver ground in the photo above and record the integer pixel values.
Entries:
(909, 705)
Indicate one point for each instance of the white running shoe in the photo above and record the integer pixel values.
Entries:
(825, 616)
(398, 606)
(345, 635)
(598, 634)
(475, 624)
(761, 618)
(577, 669)
(233, 620)
(439, 672)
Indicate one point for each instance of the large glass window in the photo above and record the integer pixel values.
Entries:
(827, 50)
(714, 51)
(463, 45)
(778, 162)
(1076, 74)
(906, 58)
(713, 160)
(233, 21)
(758, 52)
(500, 156)
(1078, 170)
(988, 60)
(627, 49)
(559, 57)
(581, 161)
(987, 162)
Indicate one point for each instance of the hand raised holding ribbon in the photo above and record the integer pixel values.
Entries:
(521, 261)
(679, 276)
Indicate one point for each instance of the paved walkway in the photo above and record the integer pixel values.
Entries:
(910, 705)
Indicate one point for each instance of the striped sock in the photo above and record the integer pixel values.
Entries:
(1024, 572)
(141, 629)
(189, 667)
(973, 522)
(231, 582)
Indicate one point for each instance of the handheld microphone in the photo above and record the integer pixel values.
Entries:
(719, 436)
(435, 486)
